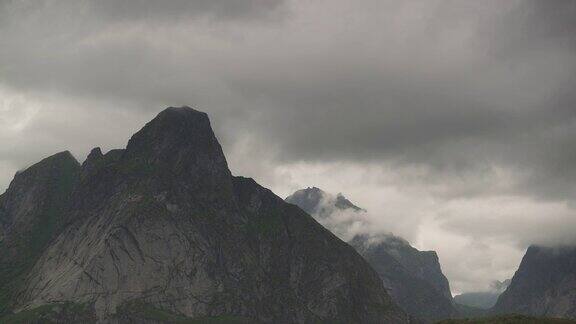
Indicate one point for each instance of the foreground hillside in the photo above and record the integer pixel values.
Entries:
(162, 228)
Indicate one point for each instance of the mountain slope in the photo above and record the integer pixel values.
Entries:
(415, 295)
(164, 224)
(543, 285)
(413, 278)
(31, 214)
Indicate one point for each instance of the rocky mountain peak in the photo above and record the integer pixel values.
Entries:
(308, 199)
(92, 159)
(179, 144)
(314, 200)
(94, 155)
(35, 186)
(44, 172)
(343, 203)
(60, 159)
(173, 134)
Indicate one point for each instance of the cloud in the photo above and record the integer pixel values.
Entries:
(347, 223)
(416, 110)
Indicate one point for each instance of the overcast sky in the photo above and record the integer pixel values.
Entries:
(452, 122)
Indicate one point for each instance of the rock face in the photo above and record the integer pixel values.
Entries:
(31, 214)
(413, 278)
(164, 224)
(543, 285)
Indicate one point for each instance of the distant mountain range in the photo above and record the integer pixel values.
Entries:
(161, 232)
(413, 278)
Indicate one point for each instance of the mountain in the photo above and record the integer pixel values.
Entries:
(318, 203)
(161, 232)
(30, 215)
(543, 285)
(413, 278)
(483, 299)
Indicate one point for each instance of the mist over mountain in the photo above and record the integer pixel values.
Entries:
(413, 278)
(483, 299)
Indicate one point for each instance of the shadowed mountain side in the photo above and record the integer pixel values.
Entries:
(543, 285)
(31, 214)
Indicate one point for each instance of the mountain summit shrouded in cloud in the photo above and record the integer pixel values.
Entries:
(413, 278)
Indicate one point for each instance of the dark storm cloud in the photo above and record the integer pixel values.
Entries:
(457, 88)
(506, 102)
(463, 88)
(146, 10)
(173, 9)
(109, 48)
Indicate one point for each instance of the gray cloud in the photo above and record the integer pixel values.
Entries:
(174, 9)
(464, 105)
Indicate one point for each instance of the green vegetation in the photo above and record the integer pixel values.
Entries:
(509, 319)
(140, 310)
(52, 313)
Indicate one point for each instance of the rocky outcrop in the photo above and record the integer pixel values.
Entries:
(319, 204)
(163, 223)
(409, 287)
(421, 264)
(413, 278)
(543, 285)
